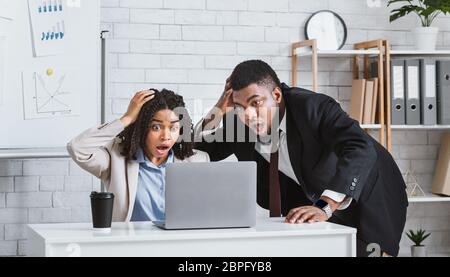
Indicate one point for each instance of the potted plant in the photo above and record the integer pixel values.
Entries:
(418, 250)
(425, 36)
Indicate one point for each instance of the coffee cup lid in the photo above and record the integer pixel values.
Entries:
(102, 195)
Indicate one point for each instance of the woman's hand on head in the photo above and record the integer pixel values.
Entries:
(135, 106)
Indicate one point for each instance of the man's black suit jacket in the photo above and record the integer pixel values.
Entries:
(328, 150)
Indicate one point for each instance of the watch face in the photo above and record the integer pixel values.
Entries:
(328, 29)
(320, 203)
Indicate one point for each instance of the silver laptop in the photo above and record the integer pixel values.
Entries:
(210, 195)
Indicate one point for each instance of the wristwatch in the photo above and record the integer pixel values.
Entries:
(322, 204)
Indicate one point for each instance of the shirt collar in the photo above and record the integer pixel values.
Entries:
(282, 126)
(142, 159)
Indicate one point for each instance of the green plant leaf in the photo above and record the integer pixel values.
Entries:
(440, 5)
(427, 12)
(417, 237)
(426, 236)
(437, 3)
(395, 1)
(397, 13)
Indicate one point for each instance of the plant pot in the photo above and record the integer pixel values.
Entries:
(425, 38)
(418, 251)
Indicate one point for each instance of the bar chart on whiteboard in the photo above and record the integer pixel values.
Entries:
(49, 24)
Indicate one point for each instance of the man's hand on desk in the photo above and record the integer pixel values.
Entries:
(311, 214)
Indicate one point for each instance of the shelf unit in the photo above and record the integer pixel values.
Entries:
(413, 53)
(366, 49)
(381, 49)
(420, 127)
(404, 52)
(336, 53)
(429, 197)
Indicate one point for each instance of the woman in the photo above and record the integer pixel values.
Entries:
(130, 154)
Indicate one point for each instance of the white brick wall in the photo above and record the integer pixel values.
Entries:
(191, 47)
(152, 16)
(2, 232)
(29, 199)
(136, 31)
(8, 248)
(45, 167)
(6, 184)
(231, 5)
(10, 168)
(13, 215)
(51, 183)
(169, 32)
(15, 231)
(202, 33)
(181, 4)
(184, 17)
(51, 215)
(139, 61)
(2, 200)
(26, 183)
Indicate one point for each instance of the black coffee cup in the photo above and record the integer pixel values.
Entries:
(102, 209)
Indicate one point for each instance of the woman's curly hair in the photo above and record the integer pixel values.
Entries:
(134, 136)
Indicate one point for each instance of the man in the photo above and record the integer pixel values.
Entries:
(321, 165)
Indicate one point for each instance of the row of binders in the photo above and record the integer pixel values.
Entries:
(363, 102)
(420, 92)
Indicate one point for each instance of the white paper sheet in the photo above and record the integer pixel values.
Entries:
(47, 93)
(49, 24)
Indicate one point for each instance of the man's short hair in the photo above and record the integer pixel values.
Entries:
(254, 72)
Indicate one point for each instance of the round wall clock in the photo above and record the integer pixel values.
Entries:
(328, 28)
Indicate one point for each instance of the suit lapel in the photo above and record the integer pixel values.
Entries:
(132, 180)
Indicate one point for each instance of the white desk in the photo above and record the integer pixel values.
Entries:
(270, 237)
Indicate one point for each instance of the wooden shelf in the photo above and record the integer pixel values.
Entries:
(432, 254)
(370, 126)
(34, 153)
(350, 53)
(429, 197)
(336, 53)
(420, 52)
(420, 127)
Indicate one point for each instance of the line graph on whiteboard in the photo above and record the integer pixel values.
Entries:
(47, 94)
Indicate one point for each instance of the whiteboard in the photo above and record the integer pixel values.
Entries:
(50, 94)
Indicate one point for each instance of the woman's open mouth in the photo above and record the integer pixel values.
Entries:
(162, 149)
